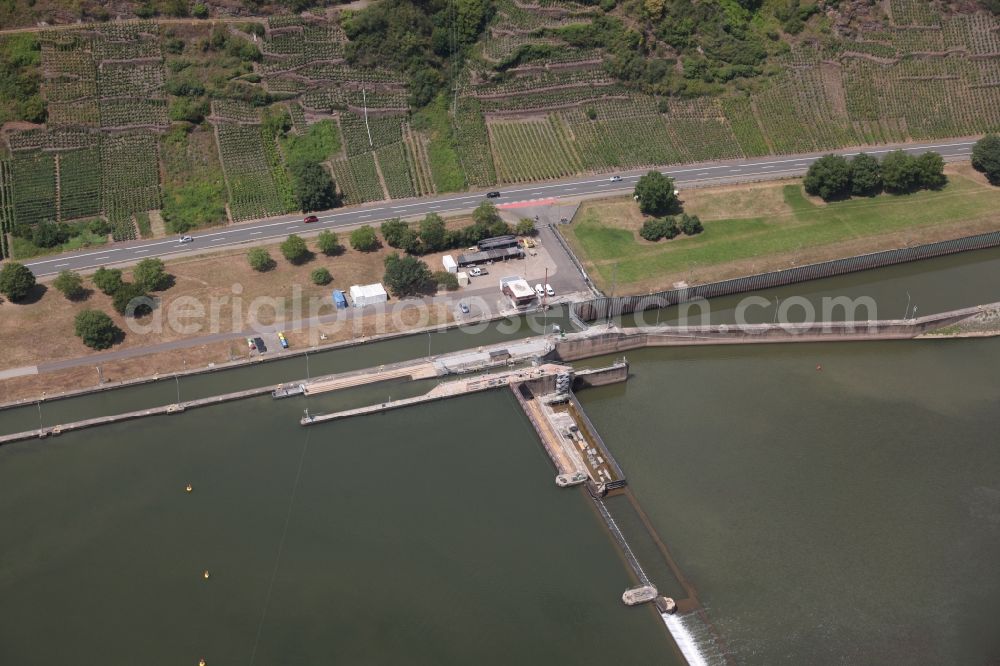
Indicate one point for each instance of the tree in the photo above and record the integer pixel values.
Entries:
(328, 244)
(407, 276)
(866, 176)
(96, 329)
(432, 233)
(320, 276)
(486, 214)
(364, 239)
(313, 186)
(446, 280)
(294, 249)
(151, 275)
(16, 280)
(525, 227)
(394, 231)
(70, 284)
(260, 259)
(986, 157)
(691, 225)
(930, 166)
(829, 178)
(655, 193)
(900, 172)
(131, 299)
(108, 280)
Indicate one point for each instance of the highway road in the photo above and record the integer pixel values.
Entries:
(276, 228)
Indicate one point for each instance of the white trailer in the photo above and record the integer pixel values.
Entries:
(368, 294)
(450, 264)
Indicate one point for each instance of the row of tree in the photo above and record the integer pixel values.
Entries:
(986, 157)
(432, 235)
(834, 177)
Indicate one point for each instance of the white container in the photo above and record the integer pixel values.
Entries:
(368, 294)
(450, 264)
(463, 278)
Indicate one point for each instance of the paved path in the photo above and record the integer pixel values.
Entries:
(276, 228)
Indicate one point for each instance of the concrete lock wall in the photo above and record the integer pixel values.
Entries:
(602, 308)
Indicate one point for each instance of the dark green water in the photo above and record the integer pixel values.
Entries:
(425, 536)
(848, 516)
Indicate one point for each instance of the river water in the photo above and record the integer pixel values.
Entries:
(843, 515)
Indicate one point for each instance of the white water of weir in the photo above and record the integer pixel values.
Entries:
(685, 640)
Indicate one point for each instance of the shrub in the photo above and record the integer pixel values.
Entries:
(49, 234)
(900, 172)
(96, 329)
(656, 195)
(829, 177)
(151, 275)
(394, 232)
(320, 276)
(199, 10)
(658, 228)
(70, 284)
(446, 280)
(294, 249)
(16, 280)
(364, 239)
(930, 166)
(986, 157)
(99, 227)
(866, 175)
(691, 225)
(260, 259)
(328, 244)
(108, 280)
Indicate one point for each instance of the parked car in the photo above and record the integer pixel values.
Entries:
(250, 344)
(185, 239)
(615, 179)
(259, 344)
(492, 195)
(463, 307)
(282, 339)
(476, 272)
(549, 290)
(539, 290)
(310, 219)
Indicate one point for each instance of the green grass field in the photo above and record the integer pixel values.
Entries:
(606, 235)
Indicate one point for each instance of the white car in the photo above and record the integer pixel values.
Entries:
(539, 290)
(185, 239)
(615, 179)
(549, 290)
(476, 272)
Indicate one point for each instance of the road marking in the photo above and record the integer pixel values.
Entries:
(362, 217)
(767, 167)
(99, 258)
(216, 240)
(292, 226)
(58, 265)
(703, 173)
(141, 251)
(256, 233)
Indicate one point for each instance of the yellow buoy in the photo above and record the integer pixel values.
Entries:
(201, 662)
(204, 574)
(189, 487)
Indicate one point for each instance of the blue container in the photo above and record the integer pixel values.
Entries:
(339, 299)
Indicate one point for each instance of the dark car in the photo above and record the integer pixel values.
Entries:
(492, 195)
(310, 218)
(259, 344)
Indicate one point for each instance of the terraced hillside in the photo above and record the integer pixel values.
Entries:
(539, 90)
